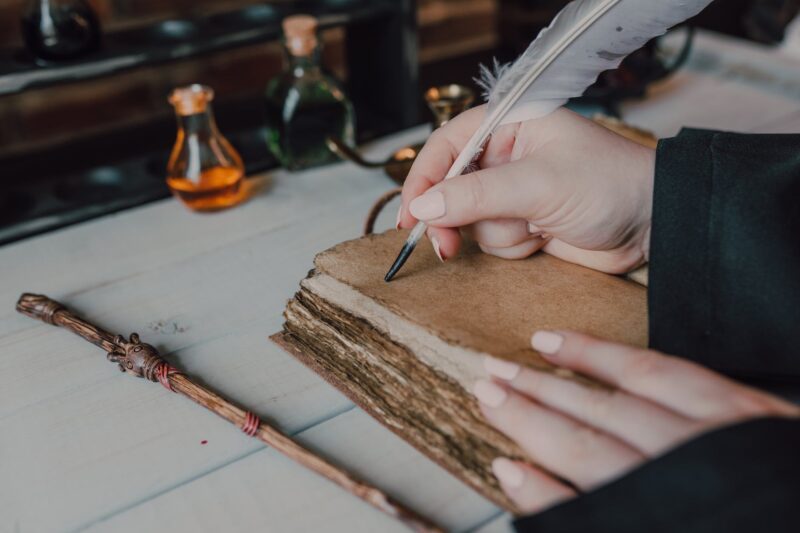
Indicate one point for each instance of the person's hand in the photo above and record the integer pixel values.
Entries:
(561, 183)
(590, 436)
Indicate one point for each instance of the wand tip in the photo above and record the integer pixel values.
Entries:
(402, 257)
(38, 306)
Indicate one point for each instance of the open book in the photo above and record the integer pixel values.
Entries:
(409, 351)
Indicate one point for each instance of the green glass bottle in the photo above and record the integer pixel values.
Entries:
(304, 103)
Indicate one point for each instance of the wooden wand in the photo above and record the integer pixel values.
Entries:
(142, 360)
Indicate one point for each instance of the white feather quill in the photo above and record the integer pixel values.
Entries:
(586, 38)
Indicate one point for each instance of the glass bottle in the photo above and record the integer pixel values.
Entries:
(305, 104)
(56, 30)
(204, 170)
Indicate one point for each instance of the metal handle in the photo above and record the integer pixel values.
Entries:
(338, 147)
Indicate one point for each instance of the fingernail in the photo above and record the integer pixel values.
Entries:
(399, 216)
(501, 369)
(437, 249)
(547, 342)
(533, 229)
(508, 473)
(489, 393)
(429, 206)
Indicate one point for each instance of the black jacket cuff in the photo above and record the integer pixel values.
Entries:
(679, 299)
(724, 282)
(741, 478)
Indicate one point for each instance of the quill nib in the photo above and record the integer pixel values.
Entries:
(402, 257)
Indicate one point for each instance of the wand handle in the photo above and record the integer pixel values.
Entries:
(142, 360)
(52, 312)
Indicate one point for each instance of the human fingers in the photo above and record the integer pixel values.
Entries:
(610, 261)
(445, 242)
(509, 239)
(500, 233)
(436, 157)
(673, 382)
(575, 452)
(648, 427)
(519, 251)
(512, 190)
(528, 487)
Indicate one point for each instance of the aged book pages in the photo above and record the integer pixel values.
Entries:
(408, 351)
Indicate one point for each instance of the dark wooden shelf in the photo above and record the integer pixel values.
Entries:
(120, 180)
(91, 176)
(176, 39)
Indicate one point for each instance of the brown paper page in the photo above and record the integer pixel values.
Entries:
(489, 304)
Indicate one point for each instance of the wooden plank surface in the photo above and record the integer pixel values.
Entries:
(266, 492)
(499, 523)
(85, 447)
(88, 441)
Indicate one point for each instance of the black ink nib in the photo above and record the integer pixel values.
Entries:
(402, 257)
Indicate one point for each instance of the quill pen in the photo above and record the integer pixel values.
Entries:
(586, 38)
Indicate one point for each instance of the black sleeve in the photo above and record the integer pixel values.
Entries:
(742, 478)
(725, 252)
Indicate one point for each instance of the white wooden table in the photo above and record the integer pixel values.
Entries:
(84, 447)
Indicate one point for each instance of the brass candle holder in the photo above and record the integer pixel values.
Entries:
(445, 102)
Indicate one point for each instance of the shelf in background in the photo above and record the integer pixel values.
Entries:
(176, 39)
(86, 176)
(50, 199)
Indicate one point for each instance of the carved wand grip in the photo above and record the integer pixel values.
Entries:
(52, 312)
(142, 360)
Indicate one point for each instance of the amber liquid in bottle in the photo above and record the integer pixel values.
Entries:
(204, 170)
(215, 188)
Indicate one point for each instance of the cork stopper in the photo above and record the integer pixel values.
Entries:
(300, 32)
(191, 99)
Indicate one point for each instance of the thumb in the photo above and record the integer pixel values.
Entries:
(507, 191)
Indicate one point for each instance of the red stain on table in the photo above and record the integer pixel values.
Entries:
(204, 441)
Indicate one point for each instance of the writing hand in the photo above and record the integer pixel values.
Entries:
(560, 183)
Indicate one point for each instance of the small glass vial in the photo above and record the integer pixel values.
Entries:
(57, 30)
(204, 171)
(305, 104)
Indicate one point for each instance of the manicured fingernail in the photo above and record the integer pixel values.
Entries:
(508, 473)
(437, 249)
(547, 342)
(399, 216)
(489, 393)
(501, 369)
(429, 206)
